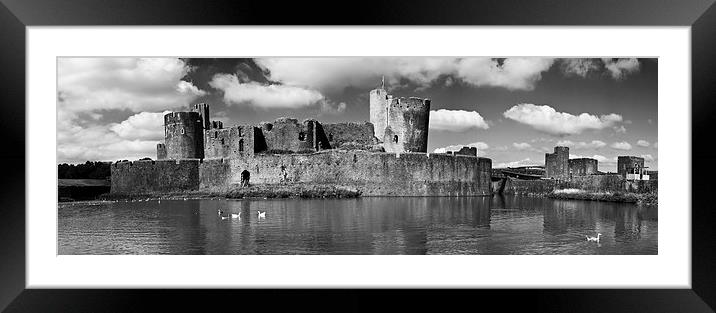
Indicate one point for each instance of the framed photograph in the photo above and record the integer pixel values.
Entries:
(454, 147)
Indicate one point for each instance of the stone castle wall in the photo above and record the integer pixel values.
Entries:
(626, 164)
(590, 183)
(234, 142)
(583, 166)
(288, 134)
(374, 174)
(342, 133)
(140, 177)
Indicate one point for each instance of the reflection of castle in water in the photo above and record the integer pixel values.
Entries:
(375, 225)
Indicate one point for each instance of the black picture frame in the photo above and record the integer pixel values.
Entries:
(16, 15)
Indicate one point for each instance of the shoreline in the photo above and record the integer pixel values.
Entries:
(647, 199)
(310, 191)
(279, 191)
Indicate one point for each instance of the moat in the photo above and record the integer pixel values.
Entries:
(374, 225)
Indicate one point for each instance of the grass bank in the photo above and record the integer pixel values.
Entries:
(264, 191)
(629, 197)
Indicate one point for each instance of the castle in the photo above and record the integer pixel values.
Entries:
(558, 165)
(396, 125)
(384, 157)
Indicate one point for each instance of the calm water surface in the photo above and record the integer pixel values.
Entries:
(439, 225)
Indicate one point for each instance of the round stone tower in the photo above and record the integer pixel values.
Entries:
(184, 135)
(407, 121)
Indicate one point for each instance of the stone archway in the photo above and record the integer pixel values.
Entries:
(245, 176)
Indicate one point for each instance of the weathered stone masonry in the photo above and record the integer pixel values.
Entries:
(139, 177)
(384, 157)
(374, 174)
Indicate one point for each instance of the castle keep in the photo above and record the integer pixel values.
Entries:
(384, 157)
(556, 165)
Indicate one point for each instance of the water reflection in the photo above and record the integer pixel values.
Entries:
(411, 225)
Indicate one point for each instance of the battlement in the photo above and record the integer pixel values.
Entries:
(145, 163)
(181, 117)
(406, 103)
(217, 125)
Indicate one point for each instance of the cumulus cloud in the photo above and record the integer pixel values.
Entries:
(141, 126)
(580, 67)
(648, 157)
(523, 146)
(456, 120)
(135, 84)
(512, 73)
(621, 145)
(620, 129)
(620, 68)
(546, 119)
(88, 87)
(598, 157)
(642, 143)
(103, 144)
(479, 145)
(264, 96)
(335, 74)
(594, 144)
(330, 107)
(523, 162)
(617, 69)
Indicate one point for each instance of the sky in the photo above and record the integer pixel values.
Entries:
(513, 110)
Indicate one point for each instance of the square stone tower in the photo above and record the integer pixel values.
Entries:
(556, 165)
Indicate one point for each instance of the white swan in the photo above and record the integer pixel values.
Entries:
(236, 215)
(595, 239)
(262, 214)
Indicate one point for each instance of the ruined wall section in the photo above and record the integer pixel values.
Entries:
(582, 166)
(143, 177)
(469, 151)
(626, 164)
(217, 143)
(590, 183)
(352, 135)
(183, 135)
(374, 174)
(287, 135)
(556, 164)
(407, 129)
(161, 151)
(235, 142)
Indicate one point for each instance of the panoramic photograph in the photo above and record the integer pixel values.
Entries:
(357, 156)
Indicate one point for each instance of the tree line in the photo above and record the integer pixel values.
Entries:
(87, 170)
